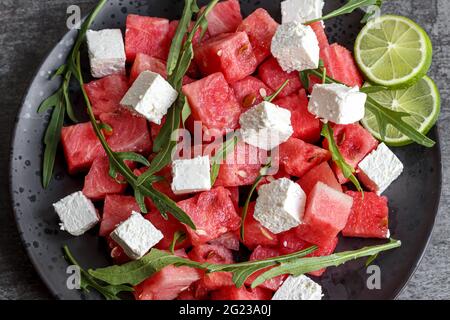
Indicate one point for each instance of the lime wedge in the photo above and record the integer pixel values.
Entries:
(393, 51)
(421, 101)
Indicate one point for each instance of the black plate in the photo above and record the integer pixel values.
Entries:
(414, 198)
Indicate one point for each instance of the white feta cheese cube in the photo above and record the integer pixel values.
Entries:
(296, 48)
(299, 288)
(266, 126)
(151, 96)
(77, 213)
(136, 236)
(301, 10)
(379, 169)
(337, 103)
(280, 205)
(106, 52)
(191, 175)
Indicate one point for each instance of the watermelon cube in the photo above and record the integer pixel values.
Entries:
(260, 28)
(225, 17)
(262, 253)
(117, 254)
(250, 91)
(297, 157)
(229, 53)
(105, 94)
(243, 293)
(241, 167)
(173, 25)
(213, 214)
(98, 183)
(167, 283)
(255, 234)
(319, 29)
(117, 208)
(273, 76)
(322, 173)
(228, 240)
(145, 62)
(168, 228)
(354, 143)
(147, 35)
(213, 103)
(306, 126)
(327, 212)
(290, 242)
(81, 146)
(369, 216)
(129, 132)
(341, 65)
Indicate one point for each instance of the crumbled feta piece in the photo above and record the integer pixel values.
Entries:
(299, 288)
(77, 213)
(280, 205)
(337, 103)
(296, 48)
(379, 169)
(151, 96)
(191, 175)
(136, 236)
(106, 52)
(266, 126)
(301, 10)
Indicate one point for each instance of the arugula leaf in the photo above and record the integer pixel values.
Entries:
(347, 170)
(305, 265)
(263, 172)
(178, 237)
(371, 11)
(304, 78)
(347, 8)
(109, 292)
(221, 155)
(275, 95)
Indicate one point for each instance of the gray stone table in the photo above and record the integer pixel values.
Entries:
(29, 29)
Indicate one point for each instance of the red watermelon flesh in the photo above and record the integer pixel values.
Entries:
(116, 252)
(273, 76)
(130, 132)
(168, 228)
(243, 293)
(229, 53)
(297, 157)
(262, 253)
(229, 240)
(234, 192)
(354, 143)
(225, 17)
(268, 179)
(213, 103)
(250, 91)
(241, 167)
(117, 208)
(255, 234)
(306, 126)
(173, 25)
(81, 146)
(147, 35)
(260, 28)
(290, 242)
(327, 212)
(319, 30)
(98, 183)
(105, 94)
(167, 283)
(369, 216)
(341, 65)
(213, 214)
(322, 173)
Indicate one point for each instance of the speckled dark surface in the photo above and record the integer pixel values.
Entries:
(32, 28)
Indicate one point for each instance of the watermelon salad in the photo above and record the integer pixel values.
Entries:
(294, 170)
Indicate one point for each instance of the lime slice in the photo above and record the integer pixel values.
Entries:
(421, 101)
(393, 51)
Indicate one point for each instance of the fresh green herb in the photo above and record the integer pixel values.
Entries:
(110, 292)
(178, 237)
(304, 78)
(275, 95)
(347, 170)
(221, 155)
(135, 272)
(60, 102)
(371, 11)
(347, 8)
(263, 172)
(386, 116)
(305, 265)
(371, 259)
